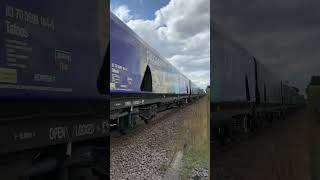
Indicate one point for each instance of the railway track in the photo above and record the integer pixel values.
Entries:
(144, 152)
(219, 148)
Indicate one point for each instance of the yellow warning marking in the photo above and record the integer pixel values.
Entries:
(8, 75)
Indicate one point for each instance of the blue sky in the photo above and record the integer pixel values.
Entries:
(142, 9)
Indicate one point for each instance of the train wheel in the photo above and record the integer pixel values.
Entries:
(88, 164)
(154, 109)
(122, 125)
(101, 168)
(253, 125)
(260, 121)
(225, 134)
(279, 115)
(221, 136)
(245, 124)
(283, 115)
(269, 117)
(256, 121)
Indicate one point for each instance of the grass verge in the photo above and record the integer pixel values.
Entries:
(196, 130)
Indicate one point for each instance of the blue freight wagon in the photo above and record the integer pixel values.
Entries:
(142, 82)
(244, 93)
(53, 88)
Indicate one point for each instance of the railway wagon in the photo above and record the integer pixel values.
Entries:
(142, 82)
(53, 89)
(228, 77)
(244, 92)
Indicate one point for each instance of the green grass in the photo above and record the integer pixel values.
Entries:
(197, 150)
(164, 167)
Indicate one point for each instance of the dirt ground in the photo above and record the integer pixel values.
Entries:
(284, 151)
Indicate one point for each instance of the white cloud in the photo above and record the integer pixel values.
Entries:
(122, 12)
(180, 31)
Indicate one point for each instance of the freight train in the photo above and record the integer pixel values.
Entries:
(244, 93)
(53, 89)
(142, 82)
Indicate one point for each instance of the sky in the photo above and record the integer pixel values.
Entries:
(178, 29)
(283, 34)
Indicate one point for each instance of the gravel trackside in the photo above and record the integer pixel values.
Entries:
(146, 152)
